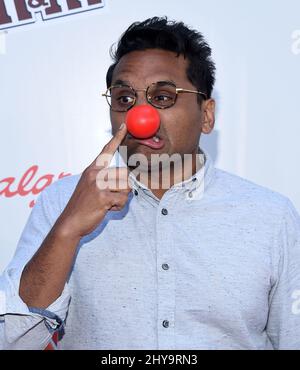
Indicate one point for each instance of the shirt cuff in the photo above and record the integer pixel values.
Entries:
(19, 318)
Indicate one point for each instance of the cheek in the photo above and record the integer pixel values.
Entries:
(182, 127)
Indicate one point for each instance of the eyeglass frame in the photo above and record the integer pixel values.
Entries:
(177, 89)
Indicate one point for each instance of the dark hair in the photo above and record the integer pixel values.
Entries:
(160, 33)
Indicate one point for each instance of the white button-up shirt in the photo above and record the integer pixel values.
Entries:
(216, 271)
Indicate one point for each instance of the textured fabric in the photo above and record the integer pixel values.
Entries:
(218, 271)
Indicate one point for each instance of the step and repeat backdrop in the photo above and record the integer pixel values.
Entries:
(53, 60)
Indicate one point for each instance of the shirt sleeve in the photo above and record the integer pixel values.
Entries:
(283, 326)
(23, 327)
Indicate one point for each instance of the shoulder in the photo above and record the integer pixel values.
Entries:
(270, 215)
(243, 189)
(58, 193)
(251, 197)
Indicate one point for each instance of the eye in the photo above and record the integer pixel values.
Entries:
(162, 98)
(125, 99)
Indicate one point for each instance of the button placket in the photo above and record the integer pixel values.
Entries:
(165, 278)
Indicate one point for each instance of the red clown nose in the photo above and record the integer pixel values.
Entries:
(142, 121)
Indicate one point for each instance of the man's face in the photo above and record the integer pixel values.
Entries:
(180, 125)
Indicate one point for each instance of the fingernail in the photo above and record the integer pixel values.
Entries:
(122, 126)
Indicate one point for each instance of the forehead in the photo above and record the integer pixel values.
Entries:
(144, 67)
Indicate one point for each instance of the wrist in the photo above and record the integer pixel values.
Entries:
(65, 231)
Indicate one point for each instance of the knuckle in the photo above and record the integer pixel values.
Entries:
(124, 198)
(87, 174)
(105, 200)
(103, 196)
(90, 175)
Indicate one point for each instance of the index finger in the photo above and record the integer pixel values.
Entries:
(111, 147)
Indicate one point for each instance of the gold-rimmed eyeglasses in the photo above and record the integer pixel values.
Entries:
(161, 95)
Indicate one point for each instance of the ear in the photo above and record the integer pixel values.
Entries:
(208, 114)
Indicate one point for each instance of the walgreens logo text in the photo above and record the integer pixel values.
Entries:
(30, 183)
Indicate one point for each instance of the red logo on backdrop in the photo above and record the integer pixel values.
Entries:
(29, 183)
(19, 12)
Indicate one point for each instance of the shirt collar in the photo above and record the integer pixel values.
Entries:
(196, 183)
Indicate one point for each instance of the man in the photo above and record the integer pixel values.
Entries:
(210, 262)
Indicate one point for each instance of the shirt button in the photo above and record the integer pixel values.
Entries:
(136, 192)
(165, 323)
(190, 194)
(164, 211)
(165, 266)
(194, 179)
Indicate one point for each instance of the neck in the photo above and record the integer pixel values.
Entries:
(160, 180)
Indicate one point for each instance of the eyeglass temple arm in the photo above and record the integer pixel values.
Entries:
(105, 94)
(191, 91)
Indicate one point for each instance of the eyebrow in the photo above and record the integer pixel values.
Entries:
(123, 82)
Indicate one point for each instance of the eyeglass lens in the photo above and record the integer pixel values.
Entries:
(160, 94)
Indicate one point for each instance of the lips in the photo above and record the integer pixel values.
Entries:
(155, 142)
